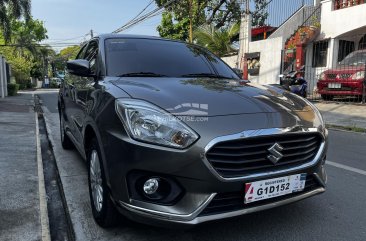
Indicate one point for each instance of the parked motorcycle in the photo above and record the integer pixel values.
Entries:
(291, 82)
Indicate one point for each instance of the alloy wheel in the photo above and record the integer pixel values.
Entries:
(96, 181)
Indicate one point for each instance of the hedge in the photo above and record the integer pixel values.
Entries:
(13, 89)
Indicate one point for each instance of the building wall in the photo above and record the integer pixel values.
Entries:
(270, 60)
(338, 22)
(231, 60)
(293, 23)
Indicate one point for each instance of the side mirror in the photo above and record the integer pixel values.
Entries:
(79, 67)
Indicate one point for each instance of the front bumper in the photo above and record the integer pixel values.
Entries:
(149, 216)
(349, 88)
(201, 184)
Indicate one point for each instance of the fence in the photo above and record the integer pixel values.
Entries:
(333, 68)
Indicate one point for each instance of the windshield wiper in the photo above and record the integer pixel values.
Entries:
(141, 74)
(207, 75)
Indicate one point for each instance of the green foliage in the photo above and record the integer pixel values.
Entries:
(13, 89)
(10, 10)
(222, 13)
(27, 35)
(27, 54)
(218, 41)
(260, 14)
(69, 53)
(169, 29)
(218, 13)
(176, 18)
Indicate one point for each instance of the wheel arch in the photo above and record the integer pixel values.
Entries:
(90, 133)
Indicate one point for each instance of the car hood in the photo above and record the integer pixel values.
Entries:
(211, 97)
(343, 69)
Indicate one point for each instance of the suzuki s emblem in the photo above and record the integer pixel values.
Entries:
(276, 154)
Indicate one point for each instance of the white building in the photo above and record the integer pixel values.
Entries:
(342, 30)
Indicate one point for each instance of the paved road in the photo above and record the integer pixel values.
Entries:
(338, 214)
(49, 100)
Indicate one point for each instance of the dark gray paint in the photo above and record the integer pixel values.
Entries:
(89, 107)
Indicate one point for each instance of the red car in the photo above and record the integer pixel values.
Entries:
(345, 80)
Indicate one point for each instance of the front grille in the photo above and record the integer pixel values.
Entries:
(234, 201)
(345, 76)
(236, 158)
(331, 76)
(339, 76)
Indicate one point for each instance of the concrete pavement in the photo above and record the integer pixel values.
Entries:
(343, 114)
(20, 217)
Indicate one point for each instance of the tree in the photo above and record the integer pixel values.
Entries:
(180, 16)
(59, 61)
(260, 15)
(218, 41)
(223, 12)
(23, 52)
(26, 35)
(12, 9)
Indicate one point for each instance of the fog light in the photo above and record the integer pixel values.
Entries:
(151, 186)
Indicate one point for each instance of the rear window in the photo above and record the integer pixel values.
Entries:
(162, 57)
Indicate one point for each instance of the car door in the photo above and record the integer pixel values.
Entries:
(82, 86)
(68, 99)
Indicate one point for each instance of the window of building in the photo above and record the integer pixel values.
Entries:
(362, 43)
(345, 48)
(320, 54)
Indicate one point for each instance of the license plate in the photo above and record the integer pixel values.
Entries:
(261, 190)
(334, 85)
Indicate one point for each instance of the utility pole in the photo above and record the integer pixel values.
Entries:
(190, 21)
(91, 33)
(245, 36)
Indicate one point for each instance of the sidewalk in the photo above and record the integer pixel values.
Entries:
(19, 196)
(343, 114)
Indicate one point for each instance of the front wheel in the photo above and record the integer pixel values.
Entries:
(104, 212)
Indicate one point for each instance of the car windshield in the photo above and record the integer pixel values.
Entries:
(162, 58)
(354, 59)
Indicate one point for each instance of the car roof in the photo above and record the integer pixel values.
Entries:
(103, 37)
(116, 35)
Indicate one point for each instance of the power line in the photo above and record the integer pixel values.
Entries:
(143, 10)
(150, 14)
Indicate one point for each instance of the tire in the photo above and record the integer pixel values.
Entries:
(327, 97)
(65, 140)
(104, 211)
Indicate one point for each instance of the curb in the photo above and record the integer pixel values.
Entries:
(45, 227)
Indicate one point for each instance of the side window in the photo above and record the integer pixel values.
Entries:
(91, 55)
(81, 52)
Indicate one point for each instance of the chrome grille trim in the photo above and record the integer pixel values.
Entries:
(266, 132)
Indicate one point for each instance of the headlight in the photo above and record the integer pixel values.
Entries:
(358, 75)
(148, 123)
(319, 120)
(322, 76)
